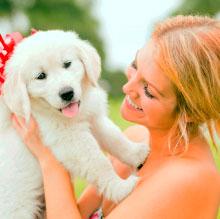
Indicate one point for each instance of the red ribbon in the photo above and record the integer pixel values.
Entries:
(7, 44)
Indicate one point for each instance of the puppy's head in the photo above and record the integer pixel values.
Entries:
(49, 67)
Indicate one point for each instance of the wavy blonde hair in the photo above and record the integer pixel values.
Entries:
(189, 55)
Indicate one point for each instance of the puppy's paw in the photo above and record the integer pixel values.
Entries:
(120, 189)
(138, 154)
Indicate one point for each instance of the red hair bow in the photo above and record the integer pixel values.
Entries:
(7, 45)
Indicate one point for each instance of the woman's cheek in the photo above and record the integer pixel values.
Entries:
(149, 105)
(153, 111)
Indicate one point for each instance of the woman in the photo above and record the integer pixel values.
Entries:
(173, 89)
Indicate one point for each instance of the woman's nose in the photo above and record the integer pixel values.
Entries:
(130, 88)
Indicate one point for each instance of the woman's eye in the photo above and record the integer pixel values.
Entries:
(41, 76)
(67, 64)
(147, 92)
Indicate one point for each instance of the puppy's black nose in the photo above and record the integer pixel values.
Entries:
(66, 93)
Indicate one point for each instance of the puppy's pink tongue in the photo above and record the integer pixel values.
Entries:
(71, 110)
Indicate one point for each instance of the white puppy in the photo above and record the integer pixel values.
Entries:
(53, 75)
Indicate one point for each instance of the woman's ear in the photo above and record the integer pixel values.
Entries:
(90, 59)
(15, 95)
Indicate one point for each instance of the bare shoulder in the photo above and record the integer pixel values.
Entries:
(186, 183)
(179, 189)
(197, 175)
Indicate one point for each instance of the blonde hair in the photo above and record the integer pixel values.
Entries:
(189, 55)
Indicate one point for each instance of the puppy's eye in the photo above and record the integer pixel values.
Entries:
(41, 76)
(67, 64)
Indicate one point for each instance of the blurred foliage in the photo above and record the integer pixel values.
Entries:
(56, 14)
(5, 7)
(66, 15)
(116, 81)
(202, 7)
(74, 15)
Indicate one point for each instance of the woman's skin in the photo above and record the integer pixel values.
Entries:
(170, 186)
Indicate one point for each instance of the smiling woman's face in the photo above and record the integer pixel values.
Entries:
(150, 99)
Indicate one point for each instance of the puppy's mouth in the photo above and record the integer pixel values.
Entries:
(71, 109)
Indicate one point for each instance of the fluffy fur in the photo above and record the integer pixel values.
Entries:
(74, 141)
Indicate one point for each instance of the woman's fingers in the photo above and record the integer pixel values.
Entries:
(16, 122)
(19, 121)
(23, 129)
(18, 126)
(29, 134)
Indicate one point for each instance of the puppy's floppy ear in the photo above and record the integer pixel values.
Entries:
(90, 59)
(15, 95)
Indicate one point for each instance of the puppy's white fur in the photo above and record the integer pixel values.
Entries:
(74, 141)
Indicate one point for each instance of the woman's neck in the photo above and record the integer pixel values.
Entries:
(163, 143)
(159, 141)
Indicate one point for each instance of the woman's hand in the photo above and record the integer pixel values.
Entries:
(30, 135)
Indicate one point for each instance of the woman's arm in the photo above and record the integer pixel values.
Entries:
(89, 201)
(59, 194)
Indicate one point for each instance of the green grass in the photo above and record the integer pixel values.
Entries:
(79, 185)
(114, 114)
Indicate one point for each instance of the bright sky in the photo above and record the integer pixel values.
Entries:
(127, 24)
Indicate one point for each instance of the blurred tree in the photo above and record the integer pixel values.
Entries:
(67, 15)
(116, 80)
(203, 7)
(56, 14)
(74, 15)
(5, 7)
